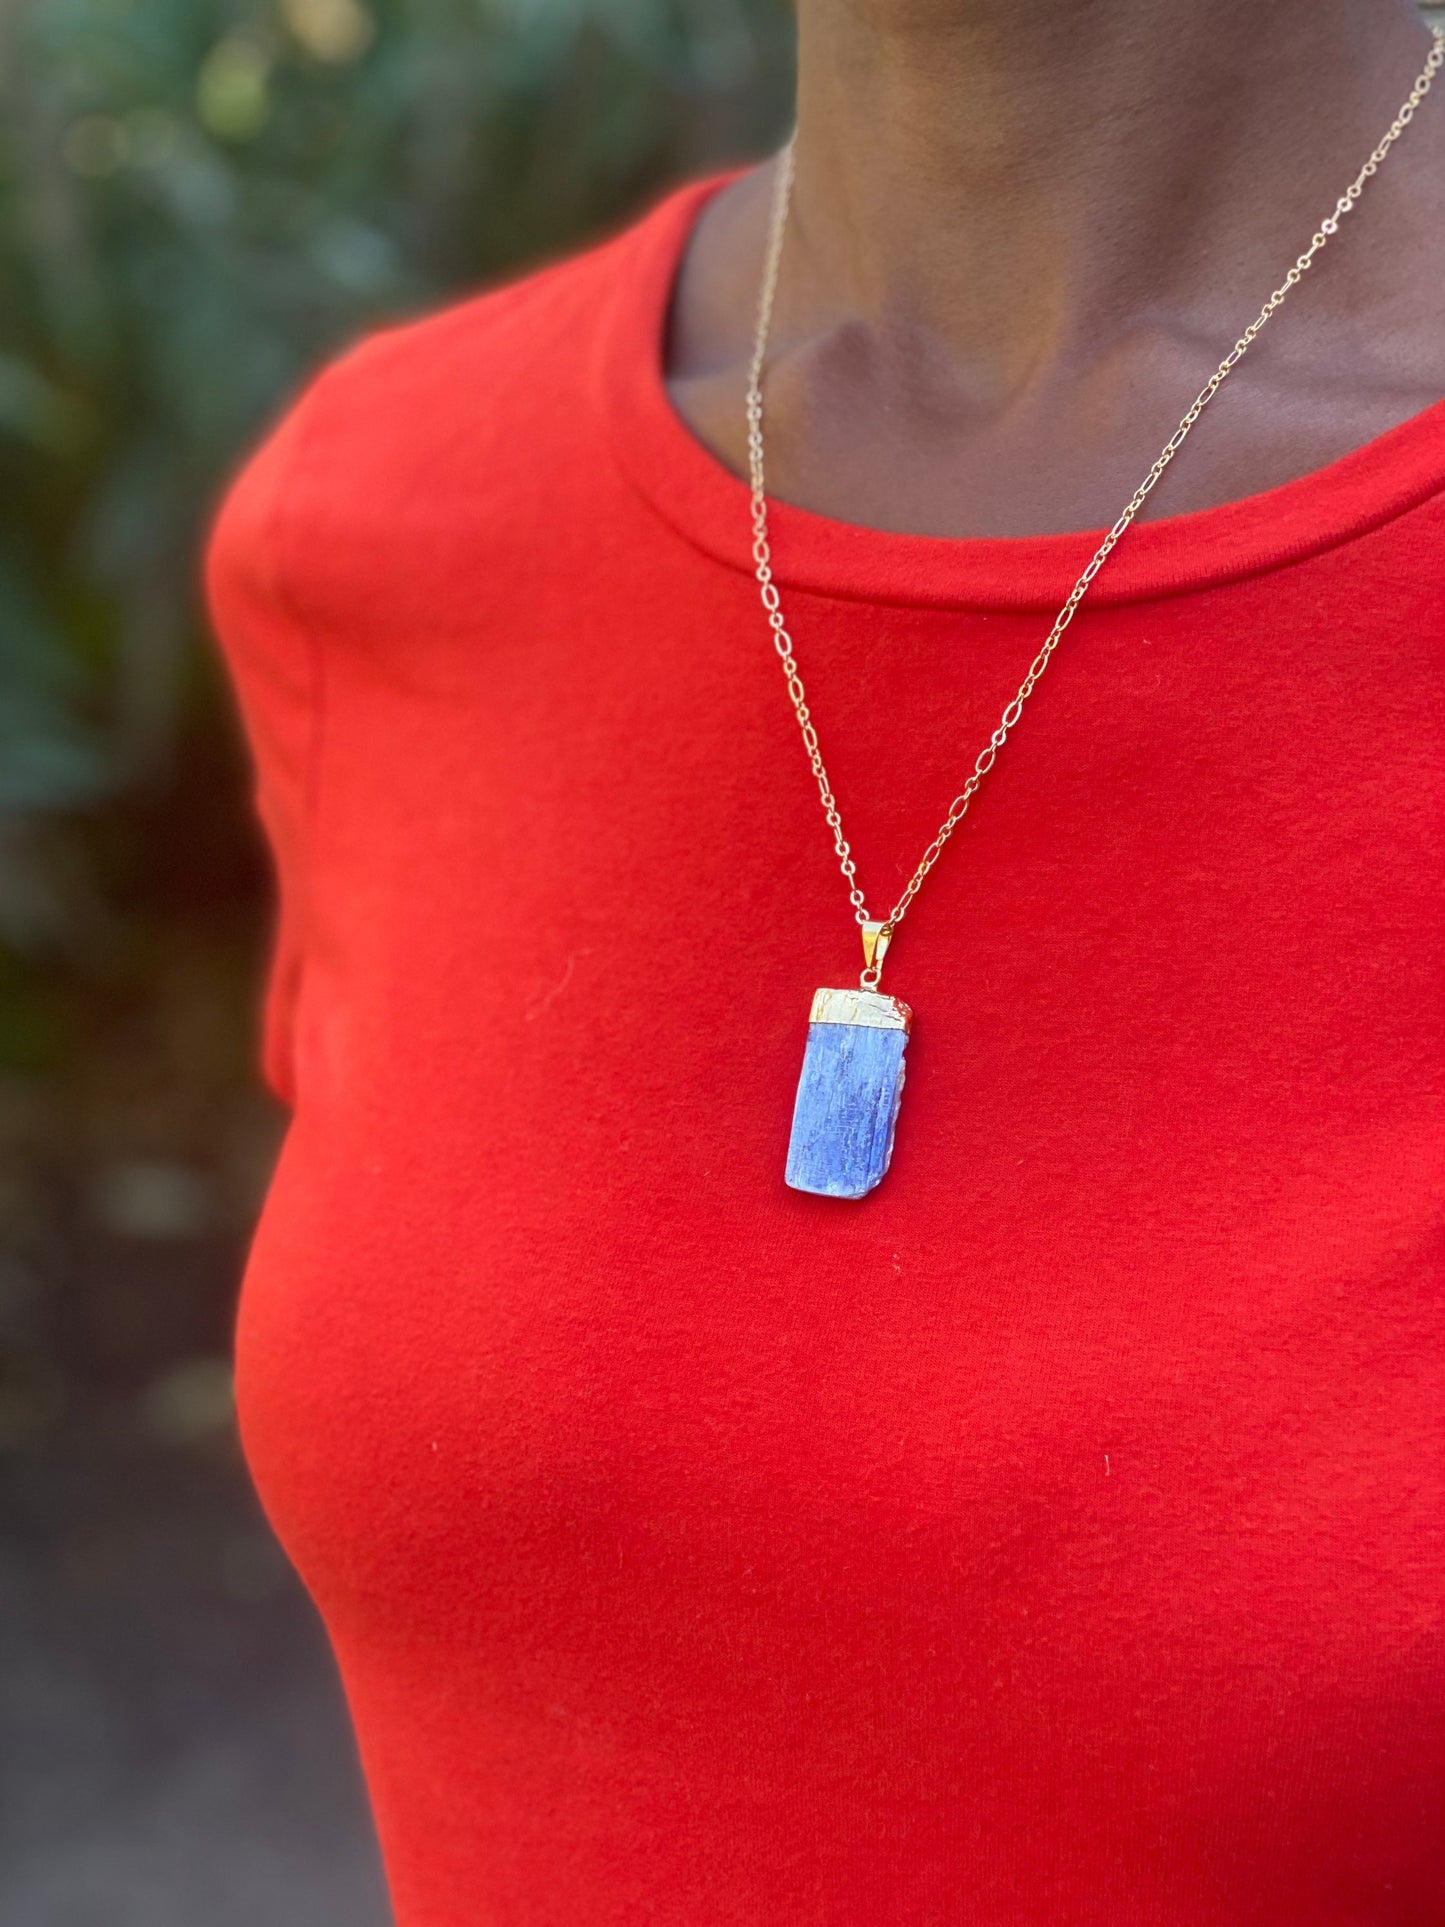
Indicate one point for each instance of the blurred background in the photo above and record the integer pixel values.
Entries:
(199, 200)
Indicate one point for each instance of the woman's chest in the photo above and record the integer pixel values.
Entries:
(1140, 1303)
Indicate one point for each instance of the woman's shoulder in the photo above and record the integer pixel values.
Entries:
(440, 411)
(450, 427)
(466, 370)
(471, 356)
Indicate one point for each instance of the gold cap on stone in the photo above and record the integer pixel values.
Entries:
(870, 1008)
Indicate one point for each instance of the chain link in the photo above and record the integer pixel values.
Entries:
(762, 551)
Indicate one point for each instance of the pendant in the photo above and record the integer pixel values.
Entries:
(849, 1092)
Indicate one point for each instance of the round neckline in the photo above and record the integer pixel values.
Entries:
(703, 500)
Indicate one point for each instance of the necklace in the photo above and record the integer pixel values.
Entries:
(852, 1078)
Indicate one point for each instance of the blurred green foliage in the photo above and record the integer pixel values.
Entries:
(198, 200)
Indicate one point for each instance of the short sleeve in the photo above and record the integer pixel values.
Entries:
(277, 677)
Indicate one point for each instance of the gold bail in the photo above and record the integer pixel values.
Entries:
(876, 939)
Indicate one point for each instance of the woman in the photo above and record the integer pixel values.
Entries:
(1042, 1537)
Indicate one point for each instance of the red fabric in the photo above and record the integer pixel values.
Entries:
(1049, 1538)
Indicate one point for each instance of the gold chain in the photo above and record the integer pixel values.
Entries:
(762, 552)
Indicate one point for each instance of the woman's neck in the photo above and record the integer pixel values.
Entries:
(1018, 235)
(1012, 177)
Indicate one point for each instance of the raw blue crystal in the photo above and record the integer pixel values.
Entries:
(848, 1094)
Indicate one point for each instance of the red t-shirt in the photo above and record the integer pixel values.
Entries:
(1048, 1537)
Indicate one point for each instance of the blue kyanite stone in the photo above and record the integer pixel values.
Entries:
(848, 1094)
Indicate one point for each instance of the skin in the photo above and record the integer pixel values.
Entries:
(1022, 237)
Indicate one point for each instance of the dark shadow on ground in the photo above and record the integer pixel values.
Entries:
(174, 1749)
(176, 1753)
